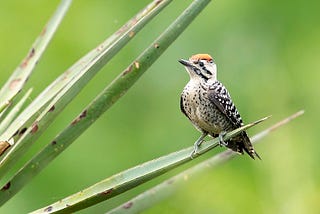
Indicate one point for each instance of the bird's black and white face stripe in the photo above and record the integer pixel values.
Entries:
(201, 67)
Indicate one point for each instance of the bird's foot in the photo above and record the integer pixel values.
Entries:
(197, 145)
(221, 141)
(194, 151)
(196, 148)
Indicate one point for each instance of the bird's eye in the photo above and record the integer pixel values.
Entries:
(201, 64)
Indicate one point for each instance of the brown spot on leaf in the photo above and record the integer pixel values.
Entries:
(17, 132)
(122, 29)
(24, 64)
(128, 70)
(52, 108)
(4, 145)
(31, 54)
(27, 59)
(133, 22)
(75, 121)
(82, 115)
(106, 192)
(131, 34)
(100, 47)
(44, 30)
(137, 64)
(35, 127)
(48, 209)
(156, 45)
(66, 74)
(6, 187)
(14, 83)
(22, 131)
(128, 205)
(158, 2)
(53, 142)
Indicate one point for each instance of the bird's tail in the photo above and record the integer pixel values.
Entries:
(243, 143)
(248, 147)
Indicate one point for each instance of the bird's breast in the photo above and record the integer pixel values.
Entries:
(202, 113)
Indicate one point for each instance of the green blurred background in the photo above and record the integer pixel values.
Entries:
(267, 54)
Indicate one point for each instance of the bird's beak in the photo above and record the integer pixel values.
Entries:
(185, 63)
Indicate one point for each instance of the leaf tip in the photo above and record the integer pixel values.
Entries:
(261, 120)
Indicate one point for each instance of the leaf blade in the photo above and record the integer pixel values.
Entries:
(14, 111)
(132, 177)
(21, 74)
(55, 103)
(163, 190)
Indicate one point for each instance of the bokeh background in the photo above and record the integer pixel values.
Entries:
(267, 54)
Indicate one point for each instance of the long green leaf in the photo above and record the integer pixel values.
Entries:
(84, 70)
(19, 77)
(13, 112)
(130, 178)
(23, 72)
(94, 57)
(166, 188)
(104, 101)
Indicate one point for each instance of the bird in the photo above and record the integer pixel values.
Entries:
(206, 102)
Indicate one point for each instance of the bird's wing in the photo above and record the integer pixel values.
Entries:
(182, 107)
(221, 98)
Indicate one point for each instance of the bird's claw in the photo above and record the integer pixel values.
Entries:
(197, 145)
(194, 151)
(221, 141)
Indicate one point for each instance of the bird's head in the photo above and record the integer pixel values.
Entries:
(200, 67)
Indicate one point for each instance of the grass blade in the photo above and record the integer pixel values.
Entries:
(82, 72)
(163, 190)
(112, 93)
(98, 56)
(131, 178)
(13, 113)
(104, 101)
(19, 77)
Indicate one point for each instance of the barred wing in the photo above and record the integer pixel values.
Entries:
(221, 98)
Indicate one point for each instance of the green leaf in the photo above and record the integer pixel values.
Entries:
(110, 95)
(19, 77)
(51, 102)
(163, 190)
(131, 178)
(13, 112)
(104, 101)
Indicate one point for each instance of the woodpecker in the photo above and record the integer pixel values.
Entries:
(208, 105)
